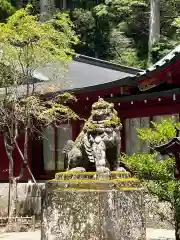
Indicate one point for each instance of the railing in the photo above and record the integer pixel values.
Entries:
(19, 222)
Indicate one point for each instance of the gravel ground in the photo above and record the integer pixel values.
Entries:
(21, 236)
(152, 234)
(160, 234)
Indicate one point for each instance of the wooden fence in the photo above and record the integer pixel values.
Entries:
(19, 222)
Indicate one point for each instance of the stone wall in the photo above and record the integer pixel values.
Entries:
(158, 214)
(29, 199)
(30, 204)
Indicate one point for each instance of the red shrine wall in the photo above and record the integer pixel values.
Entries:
(132, 115)
(138, 114)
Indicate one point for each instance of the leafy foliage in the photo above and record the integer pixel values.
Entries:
(157, 174)
(94, 32)
(26, 45)
(160, 133)
(162, 48)
(118, 30)
(146, 166)
(6, 10)
(176, 24)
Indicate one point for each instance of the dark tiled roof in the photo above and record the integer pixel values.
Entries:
(161, 64)
(106, 64)
(84, 72)
(90, 74)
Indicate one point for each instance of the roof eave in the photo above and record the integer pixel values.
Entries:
(158, 68)
(106, 64)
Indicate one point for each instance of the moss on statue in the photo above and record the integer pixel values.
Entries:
(90, 127)
(102, 105)
(114, 122)
(129, 189)
(96, 181)
(93, 173)
(64, 97)
(115, 112)
(102, 128)
(95, 189)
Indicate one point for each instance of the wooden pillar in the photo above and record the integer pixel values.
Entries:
(123, 137)
(144, 123)
(76, 128)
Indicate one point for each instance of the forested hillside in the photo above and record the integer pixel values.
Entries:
(119, 30)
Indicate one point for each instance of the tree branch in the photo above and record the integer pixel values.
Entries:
(24, 161)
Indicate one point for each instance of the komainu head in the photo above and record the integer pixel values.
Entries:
(103, 117)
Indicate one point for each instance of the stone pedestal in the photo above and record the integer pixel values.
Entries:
(77, 207)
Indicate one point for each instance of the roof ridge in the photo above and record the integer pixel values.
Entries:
(166, 60)
(106, 64)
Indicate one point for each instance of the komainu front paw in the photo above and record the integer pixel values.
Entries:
(102, 169)
(120, 169)
(78, 169)
(102, 173)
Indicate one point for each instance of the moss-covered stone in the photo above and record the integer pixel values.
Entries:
(90, 175)
(64, 97)
(85, 181)
(93, 189)
(101, 104)
(93, 209)
(90, 127)
(102, 127)
(115, 112)
(114, 122)
(95, 181)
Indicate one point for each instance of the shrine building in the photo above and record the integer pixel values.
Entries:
(139, 96)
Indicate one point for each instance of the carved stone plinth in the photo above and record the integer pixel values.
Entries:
(78, 207)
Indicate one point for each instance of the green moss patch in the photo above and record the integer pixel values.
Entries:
(96, 189)
(128, 189)
(95, 181)
(101, 104)
(113, 122)
(90, 173)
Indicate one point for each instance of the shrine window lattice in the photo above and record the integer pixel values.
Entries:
(133, 143)
(54, 140)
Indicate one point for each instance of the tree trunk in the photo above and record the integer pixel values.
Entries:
(12, 185)
(13, 207)
(154, 25)
(177, 226)
(9, 152)
(12, 223)
(177, 213)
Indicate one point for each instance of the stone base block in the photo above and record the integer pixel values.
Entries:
(92, 210)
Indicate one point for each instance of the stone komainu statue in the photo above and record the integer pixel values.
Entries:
(98, 145)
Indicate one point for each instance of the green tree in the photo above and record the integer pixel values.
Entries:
(94, 32)
(118, 30)
(157, 175)
(6, 10)
(176, 25)
(26, 45)
(108, 31)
